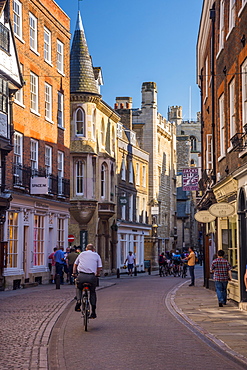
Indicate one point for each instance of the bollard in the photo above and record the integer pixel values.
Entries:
(135, 271)
(118, 273)
(57, 281)
(149, 270)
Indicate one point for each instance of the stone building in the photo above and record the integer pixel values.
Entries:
(222, 71)
(157, 136)
(10, 81)
(132, 189)
(38, 167)
(93, 156)
(188, 156)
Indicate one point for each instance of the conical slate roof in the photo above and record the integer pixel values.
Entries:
(82, 79)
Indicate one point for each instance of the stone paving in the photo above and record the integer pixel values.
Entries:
(27, 317)
(226, 326)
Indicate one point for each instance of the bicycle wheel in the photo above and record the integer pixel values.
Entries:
(86, 315)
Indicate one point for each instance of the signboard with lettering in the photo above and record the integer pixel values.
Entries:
(83, 239)
(39, 185)
(190, 179)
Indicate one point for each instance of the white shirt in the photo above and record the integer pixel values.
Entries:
(131, 259)
(88, 262)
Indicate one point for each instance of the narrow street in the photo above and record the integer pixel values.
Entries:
(134, 330)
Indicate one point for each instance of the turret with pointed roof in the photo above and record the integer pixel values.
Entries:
(82, 78)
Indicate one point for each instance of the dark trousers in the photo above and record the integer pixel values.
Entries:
(192, 274)
(59, 271)
(92, 280)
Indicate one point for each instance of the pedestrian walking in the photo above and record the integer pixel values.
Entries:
(191, 263)
(59, 260)
(53, 265)
(71, 257)
(131, 262)
(222, 274)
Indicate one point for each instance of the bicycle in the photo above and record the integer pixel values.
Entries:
(162, 270)
(184, 270)
(85, 305)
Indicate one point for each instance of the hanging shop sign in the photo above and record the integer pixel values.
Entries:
(204, 217)
(39, 185)
(222, 209)
(190, 179)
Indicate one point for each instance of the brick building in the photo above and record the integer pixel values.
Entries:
(10, 81)
(222, 76)
(38, 167)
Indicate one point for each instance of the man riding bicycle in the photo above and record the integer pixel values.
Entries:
(89, 265)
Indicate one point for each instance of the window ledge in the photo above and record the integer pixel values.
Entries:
(61, 73)
(230, 149)
(49, 120)
(19, 103)
(219, 52)
(229, 32)
(241, 10)
(243, 153)
(34, 112)
(221, 157)
(61, 127)
(48, 62)
(19, 38)
(35, 52)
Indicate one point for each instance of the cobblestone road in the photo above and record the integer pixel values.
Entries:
(134, 330)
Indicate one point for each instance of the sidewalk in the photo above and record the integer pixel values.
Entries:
(27, 318)
(226, 326)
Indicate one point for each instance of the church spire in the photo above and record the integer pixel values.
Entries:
(82, 79)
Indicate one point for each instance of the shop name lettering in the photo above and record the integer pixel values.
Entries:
(39, 185)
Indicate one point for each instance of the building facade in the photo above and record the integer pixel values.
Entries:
(188, 156)
(157, 136)
(93, 151)
(221, 68)
(132, 189)
(10, 82)
(38, 167)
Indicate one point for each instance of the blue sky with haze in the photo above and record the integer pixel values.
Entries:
(136, 41)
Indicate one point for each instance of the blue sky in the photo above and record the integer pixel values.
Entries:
(137, 41)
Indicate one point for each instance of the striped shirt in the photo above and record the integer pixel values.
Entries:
(220, 268)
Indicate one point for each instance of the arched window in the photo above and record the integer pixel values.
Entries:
(80, 167)
(193, 143)
(94, 124)
(102, 133)
(103, 177)
(80, 122)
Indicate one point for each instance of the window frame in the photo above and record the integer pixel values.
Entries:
(48, 102)
(222, 125)
(60, 109)
(34, 93)
(103, 180)
(83, 125)
(39, 240)
(34, 155)
(244, 91)
(12, 257)
(60, 171)
(33, 32)
(17, 15)
(222, 25)
(60, 56)
(80, 177)
(232, 108)
(47, 45)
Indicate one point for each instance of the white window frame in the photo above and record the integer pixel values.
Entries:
(12, 256)
(244, 91)
(137, 174)
(123, 170)
(232, 15)
(39, 240)
(60, 109)
(60, 232)
(82, 122)
(137, 209)
(17, 19)
(232, 107)
(209, 154)
(144, 176)
(144, 211)
(80, 174)
(103, 180)
(123, 208)
(48, 102)
(206, 78)
(60, 171)
(48, 160)
(34, 92)
(131, 207)
(34, 155)
(221, 28)
(18, 157)
(33, 32)
(222, 125)
(94, 124)
(19, 93)
(102, 133)
(60, 56)
(131, 177)
(47, 45)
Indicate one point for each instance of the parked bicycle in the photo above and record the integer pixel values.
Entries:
(184, 270)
